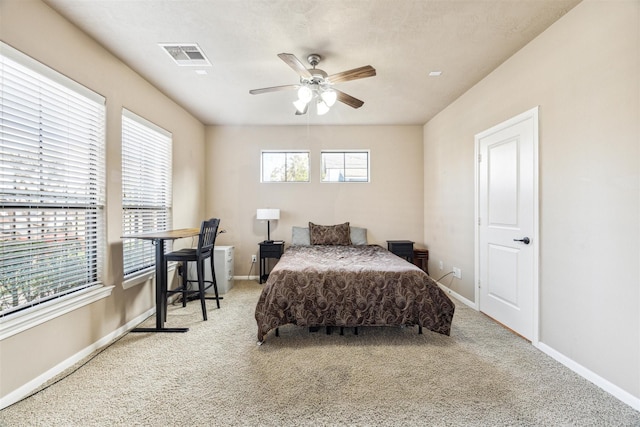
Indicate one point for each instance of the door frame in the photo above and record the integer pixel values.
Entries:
(533, 114)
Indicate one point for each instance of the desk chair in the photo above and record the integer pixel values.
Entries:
(206, 243)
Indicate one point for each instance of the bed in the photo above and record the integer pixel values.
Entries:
(349, 285)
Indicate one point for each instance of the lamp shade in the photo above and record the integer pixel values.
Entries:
(301, 106)
(305, 94)
(329, 96)
(322, 108)
(268, 214)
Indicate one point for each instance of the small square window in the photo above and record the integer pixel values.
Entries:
(285, 166)
(345, 166)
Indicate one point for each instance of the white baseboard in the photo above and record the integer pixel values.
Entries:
(457, 296)
(245, 277)
(585, 373)
(28, 388)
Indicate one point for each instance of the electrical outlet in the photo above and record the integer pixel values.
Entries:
(457, 272)
(254, 258)
(441, 265)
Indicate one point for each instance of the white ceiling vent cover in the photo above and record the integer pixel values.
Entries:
(186, 54)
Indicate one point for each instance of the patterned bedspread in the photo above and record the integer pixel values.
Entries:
(350, 286)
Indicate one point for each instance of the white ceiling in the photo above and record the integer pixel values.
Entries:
(403, 40)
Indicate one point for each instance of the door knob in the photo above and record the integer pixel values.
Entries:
(524, 240)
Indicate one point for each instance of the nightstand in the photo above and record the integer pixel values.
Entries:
(421, 259)
(402, 248)
(273, 249)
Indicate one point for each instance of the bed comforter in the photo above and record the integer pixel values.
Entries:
(350, 286)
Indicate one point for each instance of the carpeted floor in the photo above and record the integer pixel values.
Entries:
(216, 375)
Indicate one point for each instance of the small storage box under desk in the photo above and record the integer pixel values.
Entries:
(223, 263)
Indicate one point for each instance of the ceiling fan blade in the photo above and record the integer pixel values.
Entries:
(272, 89)
(295, 63)
(348, 99)
(356, 73)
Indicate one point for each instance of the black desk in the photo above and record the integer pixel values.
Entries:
(273, 249)
(158, 238)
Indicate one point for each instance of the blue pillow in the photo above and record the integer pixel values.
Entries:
(300, 236)
(358, 236)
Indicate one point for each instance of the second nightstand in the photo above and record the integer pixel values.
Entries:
(402, 248)
(421, 259)
(273, 249)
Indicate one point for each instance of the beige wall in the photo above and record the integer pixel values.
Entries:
(66, 49)
(390, 206)
(584, 73)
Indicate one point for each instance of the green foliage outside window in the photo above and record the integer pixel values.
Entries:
(285, 166)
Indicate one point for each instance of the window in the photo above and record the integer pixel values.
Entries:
(146, 189)
(345, 166)
(51, 184)
(285, 166)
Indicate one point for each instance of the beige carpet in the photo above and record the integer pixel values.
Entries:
(216, 375)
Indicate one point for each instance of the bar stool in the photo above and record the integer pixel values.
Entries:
(206, 243)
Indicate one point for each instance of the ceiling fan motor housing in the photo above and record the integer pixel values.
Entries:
(318, 76)
(314, 59)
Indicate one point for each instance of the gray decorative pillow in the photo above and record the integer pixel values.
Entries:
(358, 236)
(330, 234)
(300, 236)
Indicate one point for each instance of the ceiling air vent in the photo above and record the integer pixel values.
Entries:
(186, 54)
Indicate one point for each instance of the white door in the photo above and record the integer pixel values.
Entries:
(507, 219)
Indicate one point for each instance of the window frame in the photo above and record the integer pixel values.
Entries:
(286, 153)
(344, 153)
(31, 75)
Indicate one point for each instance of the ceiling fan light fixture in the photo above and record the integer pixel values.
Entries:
(305, 94)
(329, 96)
(301, 106)
(322, 108)
(316, 84)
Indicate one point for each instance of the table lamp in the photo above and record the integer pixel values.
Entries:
(268, 215)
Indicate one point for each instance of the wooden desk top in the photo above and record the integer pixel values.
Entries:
(165, 235)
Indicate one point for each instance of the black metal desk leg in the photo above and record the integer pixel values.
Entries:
(161, 292)
(161, 283)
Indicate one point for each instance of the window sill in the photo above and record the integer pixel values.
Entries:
(130, 282)
(144, 277)
(41, 313)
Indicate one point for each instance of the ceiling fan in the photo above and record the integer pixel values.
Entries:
(316, 85)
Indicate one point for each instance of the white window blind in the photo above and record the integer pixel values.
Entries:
(146, 189)
(51, 183)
